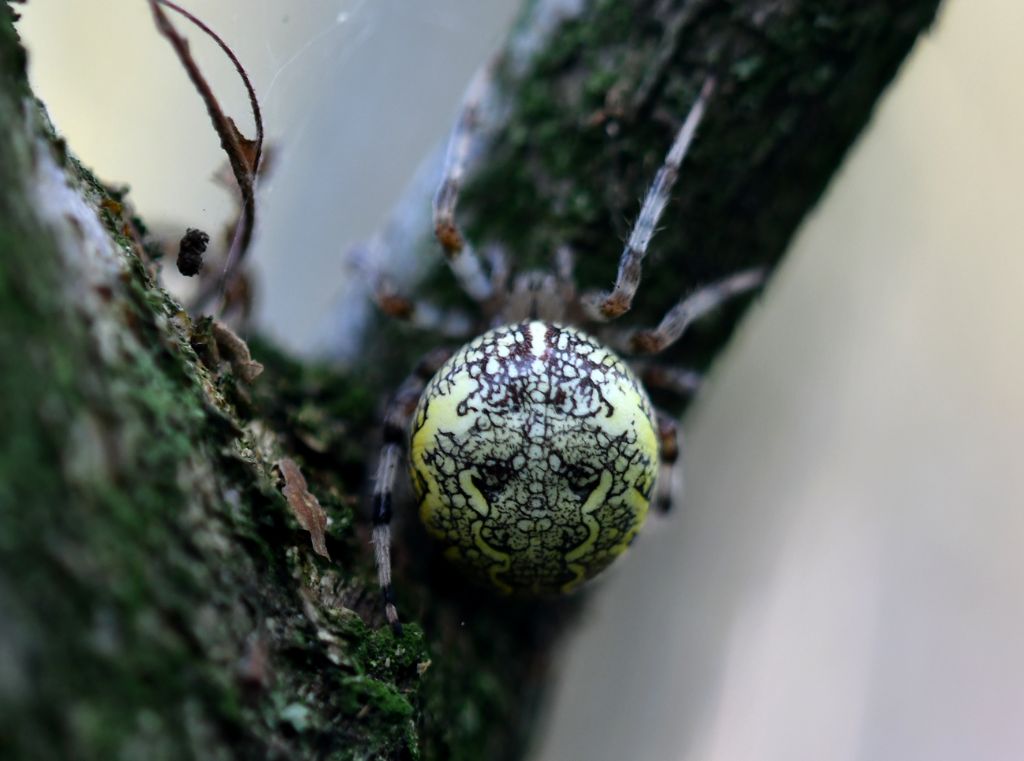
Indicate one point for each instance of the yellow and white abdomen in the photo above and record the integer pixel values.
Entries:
(533, 455)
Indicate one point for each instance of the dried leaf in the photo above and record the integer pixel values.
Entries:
(250, 149)
(304, 505)
(236, 352)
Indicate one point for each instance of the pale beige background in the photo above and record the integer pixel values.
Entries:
(845, 579)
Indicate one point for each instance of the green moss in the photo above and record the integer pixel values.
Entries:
(138, 585)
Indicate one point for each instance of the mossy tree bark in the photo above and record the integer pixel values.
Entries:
(159, 599)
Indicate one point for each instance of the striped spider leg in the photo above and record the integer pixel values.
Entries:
(396, 423)
(463, 260)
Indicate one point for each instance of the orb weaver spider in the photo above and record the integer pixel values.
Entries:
(534, 449)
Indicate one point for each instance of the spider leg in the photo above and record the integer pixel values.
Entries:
(449, 323)
(462, 259)
(497, 262)
(693, 307)
(396, 423)
(565, 268)
(679, 381)
(607, 306)
(541, 294)
(425, 315)
(666, 493)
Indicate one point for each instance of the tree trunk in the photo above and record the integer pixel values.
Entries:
(159, 597)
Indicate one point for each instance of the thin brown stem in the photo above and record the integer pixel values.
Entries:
(243, 155)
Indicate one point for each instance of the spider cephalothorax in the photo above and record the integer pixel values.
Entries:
(534, 449)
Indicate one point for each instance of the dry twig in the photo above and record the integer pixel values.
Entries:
(243, 154)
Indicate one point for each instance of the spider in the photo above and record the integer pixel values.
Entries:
(534, 450)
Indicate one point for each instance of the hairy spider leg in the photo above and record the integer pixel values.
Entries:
(396, 426)
(420, 313)
(679, 381)
(448, 322)
(608, 306)
(542, 294)
(669, 447)
(565, 268)
(462, 259)
(699, 303)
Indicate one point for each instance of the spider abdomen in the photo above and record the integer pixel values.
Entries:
(533, 454)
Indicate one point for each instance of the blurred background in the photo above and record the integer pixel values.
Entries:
(845, 578)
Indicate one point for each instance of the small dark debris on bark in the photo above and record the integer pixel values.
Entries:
(191, 250)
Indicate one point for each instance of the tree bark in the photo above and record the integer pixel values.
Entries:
(159, 598)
